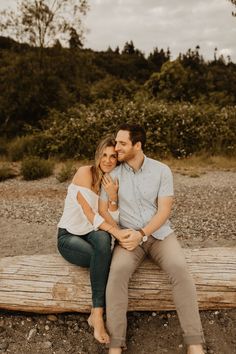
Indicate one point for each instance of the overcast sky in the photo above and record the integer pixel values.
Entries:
(177, 24)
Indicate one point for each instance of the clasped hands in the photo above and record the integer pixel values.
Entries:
(129, 239)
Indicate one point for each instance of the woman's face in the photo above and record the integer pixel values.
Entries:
(108, 160)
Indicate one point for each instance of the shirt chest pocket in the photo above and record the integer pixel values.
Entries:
(127, 192)
(148, 189)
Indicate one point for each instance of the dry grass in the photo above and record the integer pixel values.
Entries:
(196, 165)
(193, 166)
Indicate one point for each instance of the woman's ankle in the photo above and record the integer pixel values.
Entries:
(97, 311)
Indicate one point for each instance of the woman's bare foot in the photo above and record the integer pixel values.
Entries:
(95, 320)
(195, 349)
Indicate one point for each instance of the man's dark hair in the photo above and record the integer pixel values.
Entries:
(136, 133)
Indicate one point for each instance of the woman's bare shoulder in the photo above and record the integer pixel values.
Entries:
(83, 177)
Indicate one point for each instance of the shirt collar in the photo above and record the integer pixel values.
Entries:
(130, 169)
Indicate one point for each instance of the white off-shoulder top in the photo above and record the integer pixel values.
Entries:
(73, 218)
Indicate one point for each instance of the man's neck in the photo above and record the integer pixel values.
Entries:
(136, 162)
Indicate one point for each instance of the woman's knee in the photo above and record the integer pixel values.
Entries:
(102, 241)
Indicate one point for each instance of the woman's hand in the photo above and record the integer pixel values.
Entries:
(111, 187)
(120, 234)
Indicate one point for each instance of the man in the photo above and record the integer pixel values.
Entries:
(145, 199)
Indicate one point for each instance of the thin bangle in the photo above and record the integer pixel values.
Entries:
(113, 202)
(109, 229)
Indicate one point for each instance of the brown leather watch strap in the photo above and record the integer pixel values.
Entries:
(142, 232)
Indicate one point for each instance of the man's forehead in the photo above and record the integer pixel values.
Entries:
(122, 135)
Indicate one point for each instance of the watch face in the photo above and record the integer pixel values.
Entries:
(145, 238)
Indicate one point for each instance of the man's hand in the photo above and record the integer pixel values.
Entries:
(132, 241)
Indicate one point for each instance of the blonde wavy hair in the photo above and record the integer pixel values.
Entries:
(95, 169)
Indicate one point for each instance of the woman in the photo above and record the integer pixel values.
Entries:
(83, 237)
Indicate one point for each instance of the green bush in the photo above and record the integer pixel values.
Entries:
(36, 168)
(36, 144)
(3, 147)
(19, 147)
(6, 172)
(66, 172)
(176, 129)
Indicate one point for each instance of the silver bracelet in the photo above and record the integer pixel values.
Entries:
(113, 202)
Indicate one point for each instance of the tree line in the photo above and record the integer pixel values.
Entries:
(35, 80)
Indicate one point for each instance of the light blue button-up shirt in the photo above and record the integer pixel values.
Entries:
(138, 194)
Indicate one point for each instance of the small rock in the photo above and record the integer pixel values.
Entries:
(47, 328)
(76, 328)
(4, 345)
(46, 345)
(84, 325)
(70, 323)
(154, 314)
(52, 318)
(32, 334)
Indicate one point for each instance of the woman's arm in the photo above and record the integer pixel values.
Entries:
(103, 211)
(107, 225)
(88, 211)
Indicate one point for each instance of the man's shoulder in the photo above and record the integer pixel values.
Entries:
(156, 164)
(116, 171)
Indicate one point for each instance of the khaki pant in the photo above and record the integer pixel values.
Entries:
(169, 256)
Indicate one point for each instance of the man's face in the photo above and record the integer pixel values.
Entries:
(125, 150)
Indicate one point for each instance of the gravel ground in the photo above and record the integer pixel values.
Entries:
(203, 216)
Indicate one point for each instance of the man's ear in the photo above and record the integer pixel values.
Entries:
(138, 145)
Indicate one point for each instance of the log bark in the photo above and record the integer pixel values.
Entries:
(49, 284)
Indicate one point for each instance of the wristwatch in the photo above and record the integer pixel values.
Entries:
(144, 237)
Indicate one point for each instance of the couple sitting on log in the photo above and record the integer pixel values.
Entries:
(125, 197)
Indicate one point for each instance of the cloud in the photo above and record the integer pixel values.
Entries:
(176, 24)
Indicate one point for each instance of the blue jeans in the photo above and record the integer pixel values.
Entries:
(92, 251)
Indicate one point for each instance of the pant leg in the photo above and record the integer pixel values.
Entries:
(123, 265)
(75, 249)
(169, 255)
(92, 251)
(99, 265)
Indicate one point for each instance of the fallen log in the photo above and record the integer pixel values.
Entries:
(49, 284)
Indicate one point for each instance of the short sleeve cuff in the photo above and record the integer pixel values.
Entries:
(97, 221)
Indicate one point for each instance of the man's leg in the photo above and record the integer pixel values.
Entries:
(123, 265)
(169, 255)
